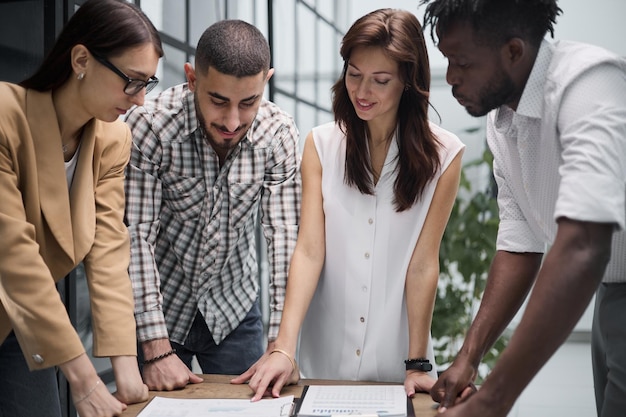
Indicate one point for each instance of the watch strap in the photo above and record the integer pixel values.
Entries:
(419, 364)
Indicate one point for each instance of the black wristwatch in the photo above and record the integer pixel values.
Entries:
(420, 364)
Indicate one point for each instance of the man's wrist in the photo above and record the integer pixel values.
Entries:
(469, 357)
(155, 347)
(159, 357)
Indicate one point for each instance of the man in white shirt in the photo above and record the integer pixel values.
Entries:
(557, 129)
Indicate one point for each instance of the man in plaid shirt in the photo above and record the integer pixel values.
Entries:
(211, 159)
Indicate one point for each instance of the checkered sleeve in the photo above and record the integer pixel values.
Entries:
(143, 202)
(280, 211)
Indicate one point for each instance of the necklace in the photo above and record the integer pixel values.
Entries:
(68, 146)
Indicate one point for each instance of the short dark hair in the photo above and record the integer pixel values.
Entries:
(495, 22)
(233, 47)
(401, 37)
(106, 28)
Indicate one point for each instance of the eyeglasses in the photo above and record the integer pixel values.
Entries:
(133, 86)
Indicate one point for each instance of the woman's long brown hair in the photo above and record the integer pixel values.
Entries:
(400, 34)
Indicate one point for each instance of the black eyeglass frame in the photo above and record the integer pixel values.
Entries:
(133, 85)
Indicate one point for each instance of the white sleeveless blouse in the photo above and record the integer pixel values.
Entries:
(356, 327)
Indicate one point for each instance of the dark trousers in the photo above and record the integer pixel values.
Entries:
(608, 349)
(234, 355)
(24, 393)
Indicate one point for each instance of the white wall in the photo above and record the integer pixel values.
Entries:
(600, 22)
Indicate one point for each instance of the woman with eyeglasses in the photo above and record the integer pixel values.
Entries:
(63, 152)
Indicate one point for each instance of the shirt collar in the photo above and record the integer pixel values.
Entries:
(189, 106)
(531, 102)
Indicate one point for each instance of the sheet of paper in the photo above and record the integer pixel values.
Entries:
(209, 407)
(330, 400)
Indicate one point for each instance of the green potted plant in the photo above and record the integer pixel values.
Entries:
(467, 249)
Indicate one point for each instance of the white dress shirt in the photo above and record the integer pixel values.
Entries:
(563, 152)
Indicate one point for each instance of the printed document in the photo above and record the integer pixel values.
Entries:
(209, 407)
(377, 400)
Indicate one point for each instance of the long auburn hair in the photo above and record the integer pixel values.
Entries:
(104, 27)
(400, 34)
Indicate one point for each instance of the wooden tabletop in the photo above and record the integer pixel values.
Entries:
(219, 386)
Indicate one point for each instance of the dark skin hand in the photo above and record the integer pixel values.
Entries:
(568, 278)
(510, 278)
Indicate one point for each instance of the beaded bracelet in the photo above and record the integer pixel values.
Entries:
(89, 393)
(158, 358)
(293, 362)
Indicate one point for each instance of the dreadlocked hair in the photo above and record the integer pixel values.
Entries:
(494, 21)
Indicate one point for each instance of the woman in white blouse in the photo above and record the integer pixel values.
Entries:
(378, 187)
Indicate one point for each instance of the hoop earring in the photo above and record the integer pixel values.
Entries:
(80, 76)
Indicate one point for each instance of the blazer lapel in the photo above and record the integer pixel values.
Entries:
(54, 195)
(82, 194)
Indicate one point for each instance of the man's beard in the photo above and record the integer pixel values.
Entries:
(215, 144)
(500, 91)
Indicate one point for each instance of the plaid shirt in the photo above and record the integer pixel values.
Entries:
(192, 225)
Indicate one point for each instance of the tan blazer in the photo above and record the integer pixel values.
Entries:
(46, 230)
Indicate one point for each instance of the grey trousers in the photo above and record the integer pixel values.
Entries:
(24, 393)
(608, 350)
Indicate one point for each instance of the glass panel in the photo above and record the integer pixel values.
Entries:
(21, 39)
(154, 10)
(306, 120)
(285, 36)
(172, 19)
(287, 104)
(202, 14)
(329, 61)
(173, 72)
(306, 41)
(325, 8)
